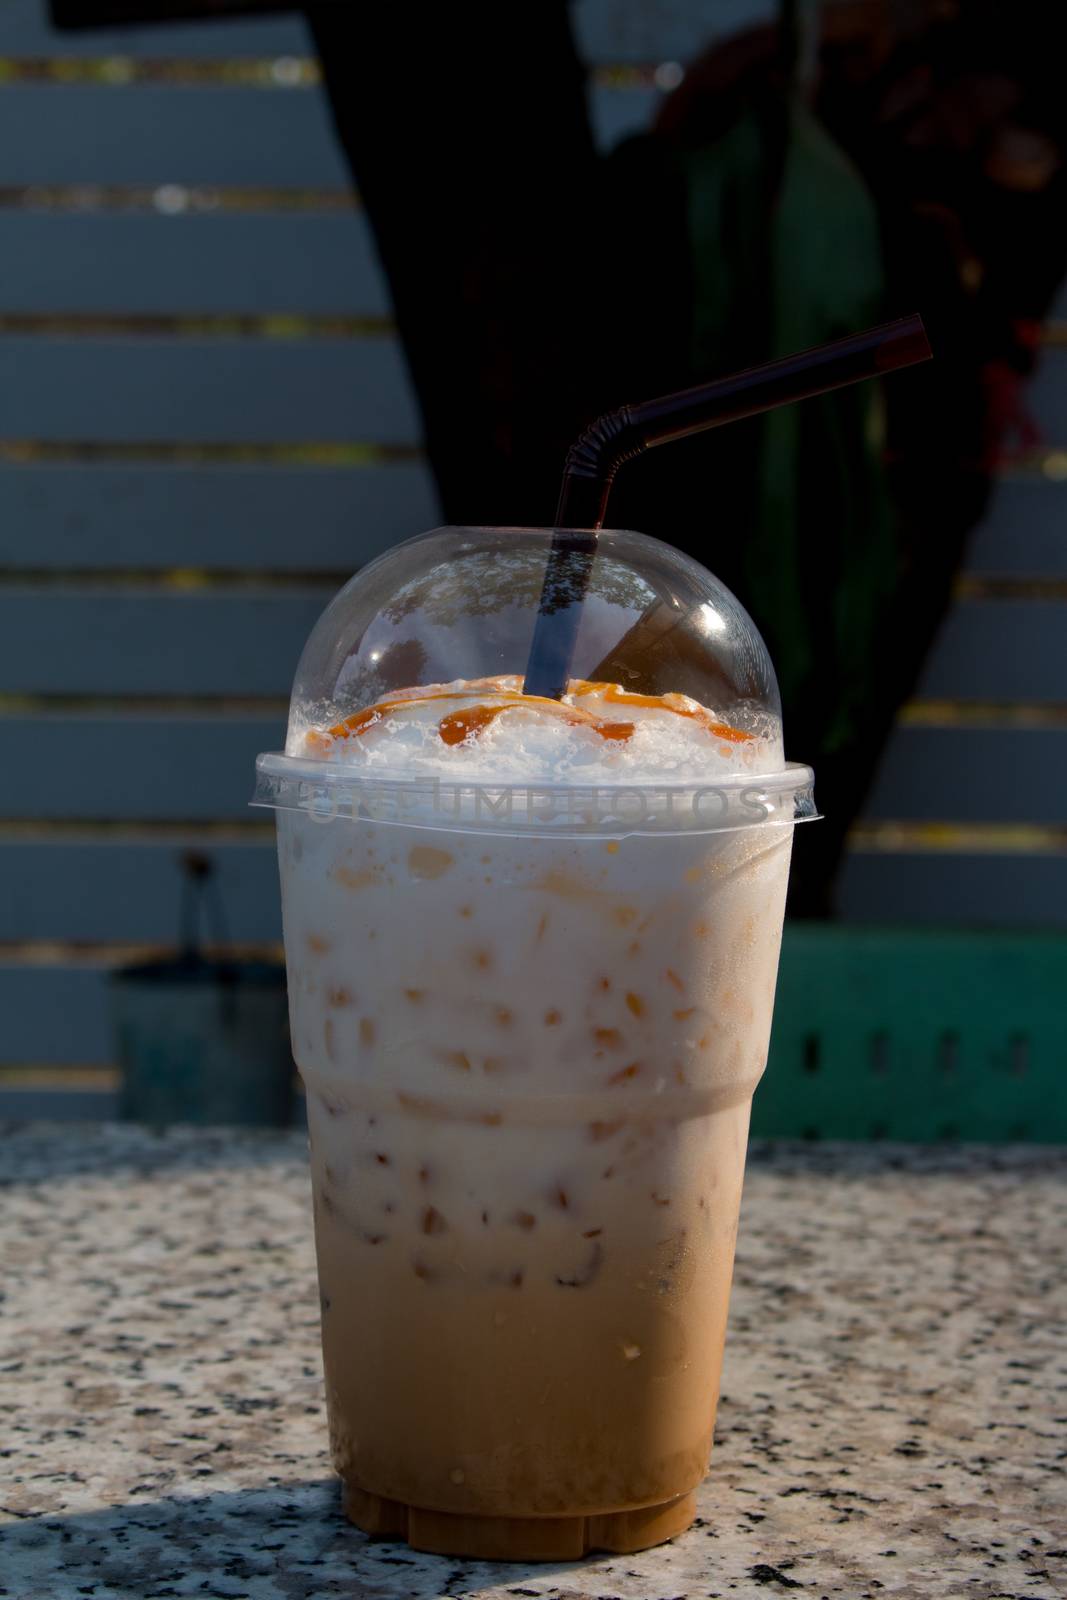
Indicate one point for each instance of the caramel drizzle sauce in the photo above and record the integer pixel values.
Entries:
(468, 721)
(616, 696)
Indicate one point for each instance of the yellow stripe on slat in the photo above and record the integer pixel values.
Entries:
(979, 586)
(173, 831)
(170, 580)
(115, 72)
(172, 199)
(89, 1079)
(279, 72)
(304, 453)
(134, 706)
(957, 838)
(313, 452)
(980, 714)
(93, 325)
(102, 955)
(1045, 463)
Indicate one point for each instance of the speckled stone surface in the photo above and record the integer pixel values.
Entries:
(893, 1422)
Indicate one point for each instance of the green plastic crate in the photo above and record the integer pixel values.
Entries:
(885, 1033)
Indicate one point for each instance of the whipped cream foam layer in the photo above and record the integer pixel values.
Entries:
(486, 730)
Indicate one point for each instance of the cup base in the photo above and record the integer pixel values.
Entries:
(445, 1533)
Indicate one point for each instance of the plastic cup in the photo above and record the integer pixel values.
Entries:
(530, 1014)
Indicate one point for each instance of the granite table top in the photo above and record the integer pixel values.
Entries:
(893, 1420)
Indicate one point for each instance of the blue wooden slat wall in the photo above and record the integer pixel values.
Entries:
(1003, 887)
(609, 31)
(136, 446)
(25, 31)
(1025, 532)
(246, 391)
(145, 133)
(972, 775)
(135, 263)
(1004, 649)
(154, 513)
(86, 889)
(61, 641)
(55, 1014)
(133, 765)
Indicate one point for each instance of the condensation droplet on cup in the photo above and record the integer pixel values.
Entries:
(630, 1352)
(458, 1475)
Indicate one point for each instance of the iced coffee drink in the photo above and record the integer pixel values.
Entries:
(532, 950)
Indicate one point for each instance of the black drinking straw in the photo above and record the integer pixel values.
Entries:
(596, 456)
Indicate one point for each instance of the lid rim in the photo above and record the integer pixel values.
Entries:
(317, 771)
(325, 792)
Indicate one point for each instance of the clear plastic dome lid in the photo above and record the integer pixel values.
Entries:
(412, 681)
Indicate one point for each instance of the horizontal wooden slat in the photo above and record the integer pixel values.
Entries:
(607, 31)
(106, 515)
(999, 650)
(313, 264)
(669, 30)
(54, 1014)
(90, 1095)
(58, 1016)
(24, 1104)
(239, 390)
(1047, 395)
(115, 889)
(195, 768)
(1024, 531)
(1010, 890)
(25, 30)
(972, 775)
(55, 1008)
(147, 133)
(60, 641)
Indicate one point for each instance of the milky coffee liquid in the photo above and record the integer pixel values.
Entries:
(529, 1060)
